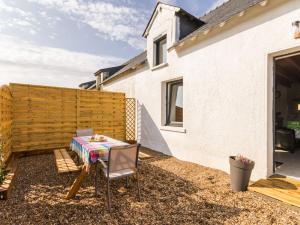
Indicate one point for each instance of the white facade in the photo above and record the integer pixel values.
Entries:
(228, 82)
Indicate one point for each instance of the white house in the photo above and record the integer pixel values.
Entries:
(206, 85)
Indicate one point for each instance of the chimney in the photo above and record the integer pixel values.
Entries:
(99, 80)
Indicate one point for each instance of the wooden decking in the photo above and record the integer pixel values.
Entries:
(279, 187)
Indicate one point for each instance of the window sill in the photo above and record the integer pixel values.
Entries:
(173, 129)
(159, 66)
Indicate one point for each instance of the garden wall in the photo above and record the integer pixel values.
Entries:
(47, 117)
(5, 123)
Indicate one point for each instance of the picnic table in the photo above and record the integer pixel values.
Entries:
(90, 152)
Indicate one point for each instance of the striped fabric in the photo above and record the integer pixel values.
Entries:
(90, 152)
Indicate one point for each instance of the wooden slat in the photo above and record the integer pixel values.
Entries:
(47, 117)
(280, 188)
(64, 162)
(6, 122)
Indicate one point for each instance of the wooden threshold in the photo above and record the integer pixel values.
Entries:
(279, 187)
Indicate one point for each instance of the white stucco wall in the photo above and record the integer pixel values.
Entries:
(165, 23)
(227, 90)
(125, 84)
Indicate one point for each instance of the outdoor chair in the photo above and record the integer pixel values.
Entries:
(84, 132)
(285, 139)
(122, 162)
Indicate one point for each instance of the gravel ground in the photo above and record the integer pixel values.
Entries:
(173, 192)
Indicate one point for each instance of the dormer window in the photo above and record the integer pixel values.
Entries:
(160, 46)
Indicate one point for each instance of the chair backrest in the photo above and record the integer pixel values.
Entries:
(123, 157)
(84, 132)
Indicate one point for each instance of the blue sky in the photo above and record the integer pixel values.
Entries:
(63, 42)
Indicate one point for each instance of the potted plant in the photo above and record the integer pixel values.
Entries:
(240, 172)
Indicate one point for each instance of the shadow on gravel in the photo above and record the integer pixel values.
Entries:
(38, 198)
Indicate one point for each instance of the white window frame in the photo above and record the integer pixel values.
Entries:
(168, 93)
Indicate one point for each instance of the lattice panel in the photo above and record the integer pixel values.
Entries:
(130, 119)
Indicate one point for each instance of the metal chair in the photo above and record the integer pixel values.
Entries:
(84, 132)
(122, 162)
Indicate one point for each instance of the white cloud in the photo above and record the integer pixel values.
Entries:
(170, 2)
(216, 4)
(16, 18)
(118, 22)
(25, 62)
(5, 8)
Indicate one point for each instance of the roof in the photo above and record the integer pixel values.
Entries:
(88, 84)
(227, 10)
(130, 64)
(222, 13)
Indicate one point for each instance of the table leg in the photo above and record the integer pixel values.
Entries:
(96, 179)
(77, 183)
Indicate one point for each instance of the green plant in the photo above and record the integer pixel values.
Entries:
(2, 174)
(243, 159)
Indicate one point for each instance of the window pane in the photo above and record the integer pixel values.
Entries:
(161, 51)
(175, 113)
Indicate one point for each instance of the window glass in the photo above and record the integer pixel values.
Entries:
(175, 103)
(161, 51)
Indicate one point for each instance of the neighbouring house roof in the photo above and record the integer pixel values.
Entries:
(110, 70)
(221, 14)
(88, 85)
(130, 65)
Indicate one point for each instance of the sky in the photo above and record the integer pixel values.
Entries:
(63, 42)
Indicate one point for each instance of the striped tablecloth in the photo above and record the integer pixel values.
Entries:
(90, 152)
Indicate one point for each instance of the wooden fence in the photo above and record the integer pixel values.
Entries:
(47, 117)
(6, 123)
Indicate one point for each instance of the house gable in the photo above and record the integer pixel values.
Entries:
(159, 7)
(171, 22)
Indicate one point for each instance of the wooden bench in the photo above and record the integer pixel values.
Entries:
(64, 162)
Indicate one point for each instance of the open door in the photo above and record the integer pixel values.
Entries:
(287, 115)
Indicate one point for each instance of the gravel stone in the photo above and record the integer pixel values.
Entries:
(173, 192)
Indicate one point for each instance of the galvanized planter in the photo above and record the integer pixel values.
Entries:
(239, 174)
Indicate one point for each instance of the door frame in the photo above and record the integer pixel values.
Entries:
(271, 104)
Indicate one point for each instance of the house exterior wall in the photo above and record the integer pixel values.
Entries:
(227, 90)
(126, 84)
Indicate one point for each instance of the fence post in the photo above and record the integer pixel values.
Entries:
(78, 109)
